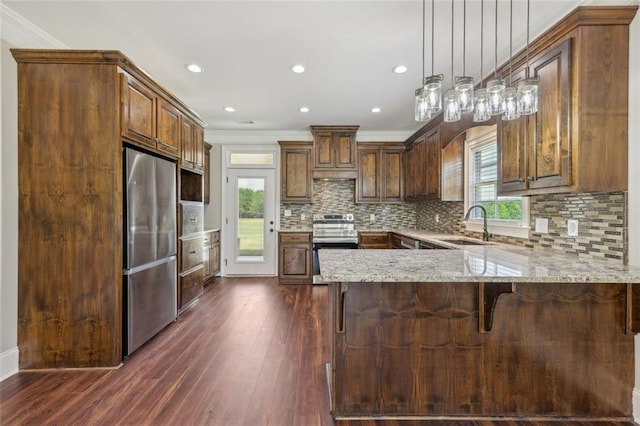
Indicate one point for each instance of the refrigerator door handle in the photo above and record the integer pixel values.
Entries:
(148, 265)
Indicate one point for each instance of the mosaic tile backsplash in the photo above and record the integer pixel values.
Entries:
(602, 217)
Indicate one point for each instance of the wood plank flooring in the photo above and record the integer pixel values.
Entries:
(251, 352)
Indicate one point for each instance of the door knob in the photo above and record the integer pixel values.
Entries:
(271, 230)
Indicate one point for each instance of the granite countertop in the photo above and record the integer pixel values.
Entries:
(493, 263)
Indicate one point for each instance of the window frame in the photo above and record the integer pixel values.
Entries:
(476, 137)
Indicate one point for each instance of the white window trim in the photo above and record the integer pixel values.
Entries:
(476, 136)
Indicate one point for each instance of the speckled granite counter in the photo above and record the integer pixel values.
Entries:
(495, 263)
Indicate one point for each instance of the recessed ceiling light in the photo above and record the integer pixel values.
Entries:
(303, 109)
(375, 109)
(194, 68)
(400, 69)
(245, 122)
(298, 69)
(229, 109)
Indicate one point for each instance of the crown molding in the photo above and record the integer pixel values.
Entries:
(273, 136)
(19, 32)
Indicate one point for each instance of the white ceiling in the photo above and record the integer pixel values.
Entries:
(247, 47)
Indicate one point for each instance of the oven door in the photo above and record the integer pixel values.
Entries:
(328, 245)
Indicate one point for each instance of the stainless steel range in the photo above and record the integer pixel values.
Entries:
(336, 231)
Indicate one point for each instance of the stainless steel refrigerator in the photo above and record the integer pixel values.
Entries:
(150, 287)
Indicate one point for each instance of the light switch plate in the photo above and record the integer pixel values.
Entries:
(437, 218)
(572, 227)
(303, 216)
(372, 217)
(542, 225)
(287, 213)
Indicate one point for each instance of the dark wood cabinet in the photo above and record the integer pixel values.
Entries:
(334, 152)
(191, 289)
(191, 253)
(206, 177)
(295, 172)
(373, 240)
(423, 174)
(577, 141)
(168, 128)
(211, 252)
(76, 111)
(294, 258)
(192, 154)
(453, 170)
(381, 168)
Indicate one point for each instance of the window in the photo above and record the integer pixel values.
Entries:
(505, 215)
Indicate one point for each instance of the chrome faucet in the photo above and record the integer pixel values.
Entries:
(485, 232)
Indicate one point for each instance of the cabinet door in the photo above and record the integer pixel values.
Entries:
(207, 174)
(295, 178)
(419, 174)
(368, 183)
(432, 157)
(215, 258)
(190, 286)
(294, 258)
(138, 112)
(392, 175)
(323, 149)
(168, 128)
(207, 270)
(453, 170)
(198, 148)
(345, 150)
(512, 139)
(550, 159)
(187, 141)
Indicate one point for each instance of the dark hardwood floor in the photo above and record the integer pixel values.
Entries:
(251, 352)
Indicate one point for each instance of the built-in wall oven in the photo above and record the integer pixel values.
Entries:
(335, 231)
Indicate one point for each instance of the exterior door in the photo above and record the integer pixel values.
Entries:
(251, 222)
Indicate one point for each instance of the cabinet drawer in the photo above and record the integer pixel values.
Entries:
(192, 218)
(210, 237)
(190, 252)
(377, 238)
(295, 237)
(190, 286)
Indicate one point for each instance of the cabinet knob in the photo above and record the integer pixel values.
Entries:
(521, 180)
(530, 178)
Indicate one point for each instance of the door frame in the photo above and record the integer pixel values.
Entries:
(227, 150)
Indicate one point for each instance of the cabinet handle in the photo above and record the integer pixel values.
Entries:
(193, 219)
(530, 178)
(342, 308)
(521, 180)
(193, 252)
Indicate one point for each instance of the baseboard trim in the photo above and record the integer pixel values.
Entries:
(9, 361)
(636, 405)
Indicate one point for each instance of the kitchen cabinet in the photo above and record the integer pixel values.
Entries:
(373, 240)
(423, 174)
(148, 119)
(191, 253)
(192, 154)
(211, 252)
(76, 111)
(395, 241)
(453, 170)
(294, 258)
(206, 177)
(577, 141)
(334, 152)
(380, 173)
(295, 172)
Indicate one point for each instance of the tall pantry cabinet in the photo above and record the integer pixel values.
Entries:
(76, 110)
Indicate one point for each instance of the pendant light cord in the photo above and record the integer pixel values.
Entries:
(510, 41)
(464, 37)
(495, 45)
(452, 21)
(432, 34)
(423, 32)
(527, 35)
(481, 37)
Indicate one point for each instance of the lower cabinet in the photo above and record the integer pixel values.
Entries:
(211, 254)
(190, 286)
(294, 258)
(373, 240)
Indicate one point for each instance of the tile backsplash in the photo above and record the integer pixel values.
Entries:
(602, 218)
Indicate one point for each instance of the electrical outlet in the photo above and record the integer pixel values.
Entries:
(372, 217)
(542, 225)
(437, 218)
(287, 213)
(572, 227)
(303, 216)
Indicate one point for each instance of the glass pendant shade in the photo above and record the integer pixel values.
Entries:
(433, 93)
(464, 92)
(481, 107)
(510, 104)
(495, 91)
(421, 110)
(451, 107)
(528, 96)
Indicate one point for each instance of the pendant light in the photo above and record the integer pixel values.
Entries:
(421, 112)
(433, 83)
(528, 88)
(496, 87)
(464, 84)
(511, 111)
(481, 108)
(450, 102)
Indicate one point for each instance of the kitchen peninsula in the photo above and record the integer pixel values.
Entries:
(480, 332)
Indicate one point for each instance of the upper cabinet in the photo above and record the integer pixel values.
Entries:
(192, 155)
(423, 171)
(577, 141)
(295, 169)
(334, 149)
(380, 173)
(453, 170)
